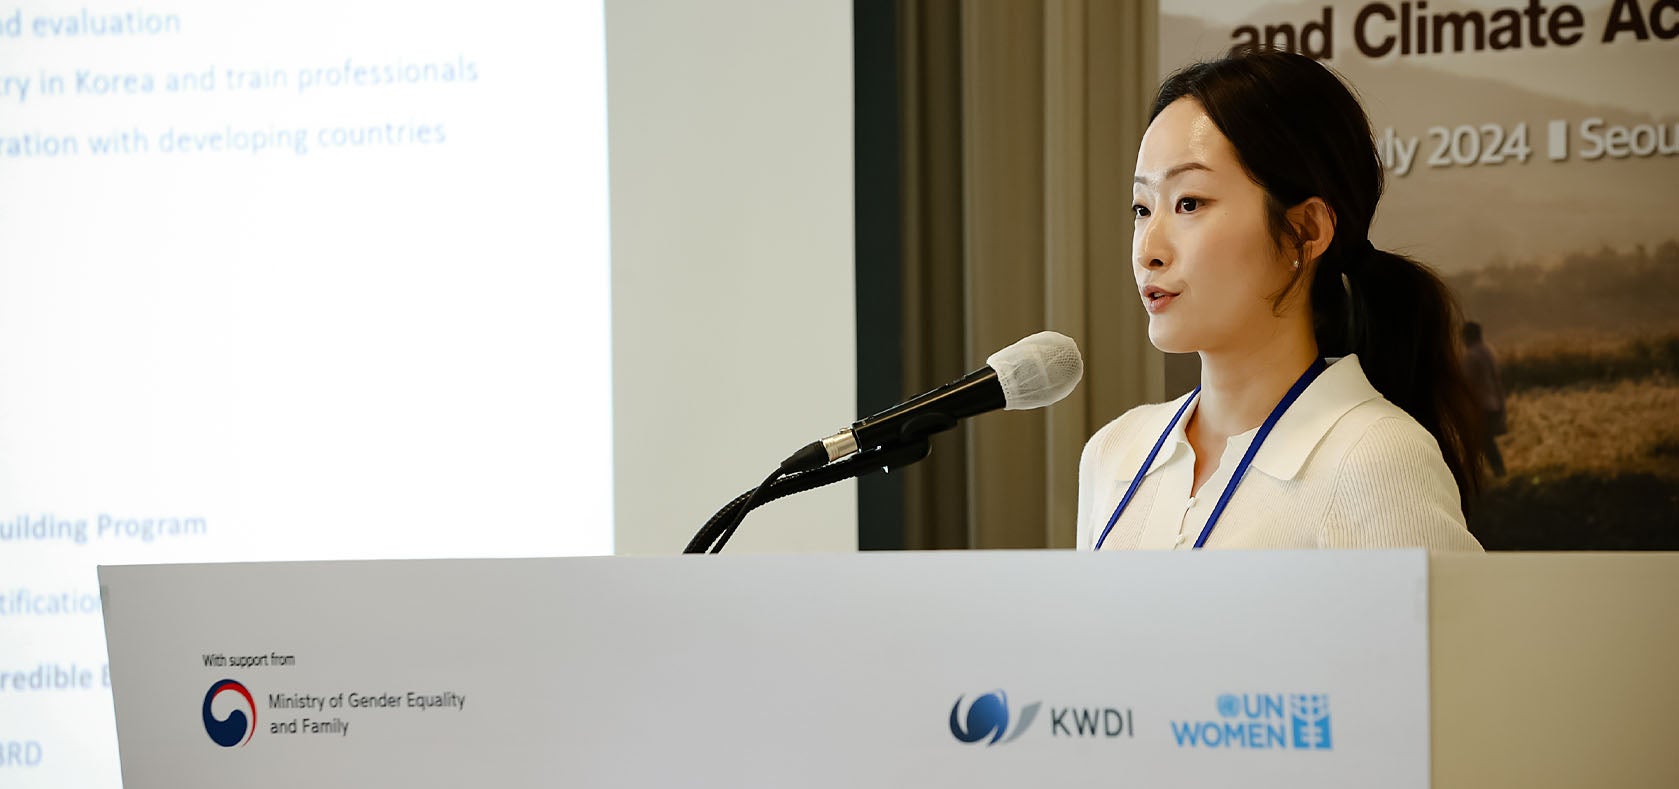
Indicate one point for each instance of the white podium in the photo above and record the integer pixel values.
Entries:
(907, 669)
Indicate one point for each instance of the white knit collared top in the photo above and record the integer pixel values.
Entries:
(1342, 468)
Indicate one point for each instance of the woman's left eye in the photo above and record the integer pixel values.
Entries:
(1189, 204)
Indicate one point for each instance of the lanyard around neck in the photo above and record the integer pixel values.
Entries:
(1300, 385)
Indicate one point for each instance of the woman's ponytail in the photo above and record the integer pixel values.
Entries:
(1402, 322)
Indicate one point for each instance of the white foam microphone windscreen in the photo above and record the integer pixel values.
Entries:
(1037, 370)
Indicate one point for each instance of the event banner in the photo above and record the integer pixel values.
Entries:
(1261, 669)
(1532, 160)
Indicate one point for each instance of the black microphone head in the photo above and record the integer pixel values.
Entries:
(1037, 370)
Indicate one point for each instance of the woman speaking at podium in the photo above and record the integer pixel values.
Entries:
(1332, 411)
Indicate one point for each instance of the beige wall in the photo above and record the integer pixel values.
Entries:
(1554, 670)
(733, 329)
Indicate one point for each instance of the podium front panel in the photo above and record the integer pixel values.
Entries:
(903, 669)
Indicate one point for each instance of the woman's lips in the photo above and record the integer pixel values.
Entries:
(1156, 299)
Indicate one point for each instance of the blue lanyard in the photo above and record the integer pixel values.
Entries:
(1300, 385)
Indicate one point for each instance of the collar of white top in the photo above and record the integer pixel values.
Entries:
(1340, 389)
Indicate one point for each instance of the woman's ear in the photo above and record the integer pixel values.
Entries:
(1314, 225)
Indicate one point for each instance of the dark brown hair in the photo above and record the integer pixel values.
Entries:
(1300, 133)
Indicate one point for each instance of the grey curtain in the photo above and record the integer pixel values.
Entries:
(1020, 124)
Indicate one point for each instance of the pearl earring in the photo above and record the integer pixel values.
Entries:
(1296, 265)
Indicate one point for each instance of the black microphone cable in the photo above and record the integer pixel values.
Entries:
(740, 514)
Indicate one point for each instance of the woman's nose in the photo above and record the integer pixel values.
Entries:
(1151, 250)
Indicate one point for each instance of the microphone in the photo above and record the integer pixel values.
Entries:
(1032, 373)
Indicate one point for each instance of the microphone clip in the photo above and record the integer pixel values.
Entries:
(716, 532)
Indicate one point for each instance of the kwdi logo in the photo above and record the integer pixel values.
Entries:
(988, 716)
(237, 728)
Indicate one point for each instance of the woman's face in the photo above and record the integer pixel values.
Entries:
(1207, 268)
